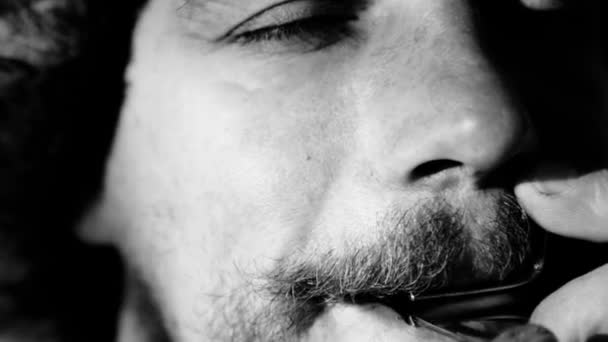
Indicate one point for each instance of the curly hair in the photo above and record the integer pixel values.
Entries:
(61, 85)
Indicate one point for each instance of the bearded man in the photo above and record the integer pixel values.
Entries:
(292, 170)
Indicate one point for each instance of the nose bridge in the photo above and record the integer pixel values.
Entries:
(474, 120)
(449, 102)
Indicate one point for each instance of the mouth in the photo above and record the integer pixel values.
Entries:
(377, 322)
(472, 316)
(470, 298)
(467, 309)
(438, 265)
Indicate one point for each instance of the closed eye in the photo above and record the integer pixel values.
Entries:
(297, 25)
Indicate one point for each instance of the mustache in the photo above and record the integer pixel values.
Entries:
(417, 251)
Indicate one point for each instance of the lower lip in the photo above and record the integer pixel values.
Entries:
(370, 322)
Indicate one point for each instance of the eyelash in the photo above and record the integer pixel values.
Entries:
(318, 32)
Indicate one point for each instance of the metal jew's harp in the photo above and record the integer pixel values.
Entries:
(481, 314)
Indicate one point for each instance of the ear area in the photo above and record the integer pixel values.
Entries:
(98, 226)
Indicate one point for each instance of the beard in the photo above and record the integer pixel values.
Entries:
(432, 247)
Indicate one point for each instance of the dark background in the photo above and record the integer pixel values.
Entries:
(58, 108)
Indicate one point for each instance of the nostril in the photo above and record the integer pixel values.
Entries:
(432, 167)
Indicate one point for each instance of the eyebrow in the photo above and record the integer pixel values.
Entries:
(200, 17)
(200, 5)
(192, 9)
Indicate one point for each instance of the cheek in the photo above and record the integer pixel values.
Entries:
(234, 156)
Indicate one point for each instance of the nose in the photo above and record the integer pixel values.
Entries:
(443, 108)
(474, 127)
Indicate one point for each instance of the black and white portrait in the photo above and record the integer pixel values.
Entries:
(303, 170)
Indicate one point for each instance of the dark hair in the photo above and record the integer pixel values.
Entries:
(61, 87)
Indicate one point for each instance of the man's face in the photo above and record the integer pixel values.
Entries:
(278, 159)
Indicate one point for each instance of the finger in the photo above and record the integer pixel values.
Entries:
(577, 311)
(543, 4)
(526, 333)
(573, 207)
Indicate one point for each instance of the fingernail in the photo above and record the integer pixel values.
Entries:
(551, 188)
(526, 333)
(543, 4)
(598, 338)
(553, 179)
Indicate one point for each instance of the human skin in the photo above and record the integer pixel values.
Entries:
(575, 207)
(232, 156)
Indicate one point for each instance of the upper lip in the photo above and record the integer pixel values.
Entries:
(516, 297)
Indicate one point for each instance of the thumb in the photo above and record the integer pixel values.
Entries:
(574, 207)
(577, 311)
